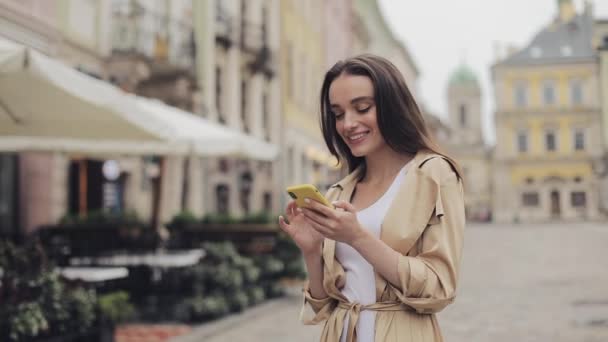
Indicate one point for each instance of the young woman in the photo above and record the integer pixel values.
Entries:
(386, 258)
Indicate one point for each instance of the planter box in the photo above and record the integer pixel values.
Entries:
(248, 237)
(74, 240)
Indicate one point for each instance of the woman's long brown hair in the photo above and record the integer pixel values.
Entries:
(399, 118)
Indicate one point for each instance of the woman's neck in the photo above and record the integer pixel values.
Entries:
(384, 164)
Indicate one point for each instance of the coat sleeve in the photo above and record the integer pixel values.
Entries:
(428, 280)
(314, 310)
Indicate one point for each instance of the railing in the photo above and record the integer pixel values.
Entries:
(153, 35)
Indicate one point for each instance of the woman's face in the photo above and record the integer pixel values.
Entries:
(351, 98)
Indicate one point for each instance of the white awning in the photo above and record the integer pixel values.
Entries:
(204, 137)
(47, 105)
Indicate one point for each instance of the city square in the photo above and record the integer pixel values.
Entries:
(536, 283)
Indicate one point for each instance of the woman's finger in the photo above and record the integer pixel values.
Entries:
(313, 216)
(287, 228)
(320, 208)
(319, 228)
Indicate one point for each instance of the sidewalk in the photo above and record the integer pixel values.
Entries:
(275, 320)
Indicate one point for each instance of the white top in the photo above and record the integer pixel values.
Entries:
(360, 285)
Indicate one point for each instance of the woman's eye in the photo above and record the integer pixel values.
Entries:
(339, 115)
(363, 110)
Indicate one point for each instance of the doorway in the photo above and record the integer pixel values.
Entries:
(555, 204)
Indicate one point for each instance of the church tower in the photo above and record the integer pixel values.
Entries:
(464, 107)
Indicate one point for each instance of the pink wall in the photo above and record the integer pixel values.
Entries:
(35, 199)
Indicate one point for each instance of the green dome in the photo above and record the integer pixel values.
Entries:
(463, 75)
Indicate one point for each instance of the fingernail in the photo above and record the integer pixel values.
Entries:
(306, 200)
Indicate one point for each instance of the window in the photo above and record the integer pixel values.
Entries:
(264, 26)
(576, 92)
(549, 92)
(521, 94)
(579, 140)
(267, 200)
(550, 141)
(265, 116)
(218, 94)
(290, 72)
(530, 199)
(244, 109)
(222, 196)
(522, 141)
(578, 199)
(463, 115)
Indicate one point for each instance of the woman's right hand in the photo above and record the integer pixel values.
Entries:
(306, 238)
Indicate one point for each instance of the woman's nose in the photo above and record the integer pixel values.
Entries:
(350, 121)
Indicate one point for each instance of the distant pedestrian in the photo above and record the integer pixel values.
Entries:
(387, 257)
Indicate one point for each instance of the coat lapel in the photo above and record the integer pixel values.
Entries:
(411, 210)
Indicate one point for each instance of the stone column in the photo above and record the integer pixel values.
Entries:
(194, 202)
(231, 84)
(204, 32)
(170, 202)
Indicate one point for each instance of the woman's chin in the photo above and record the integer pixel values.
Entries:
(358, 152)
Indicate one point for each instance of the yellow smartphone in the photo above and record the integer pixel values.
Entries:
(302, 191)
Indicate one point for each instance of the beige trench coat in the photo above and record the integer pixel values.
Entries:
(425, 224)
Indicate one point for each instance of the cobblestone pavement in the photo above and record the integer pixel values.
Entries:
(518, 283)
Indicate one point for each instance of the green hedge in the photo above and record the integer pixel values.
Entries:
(38, 304)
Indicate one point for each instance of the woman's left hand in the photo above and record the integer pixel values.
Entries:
(338, 225)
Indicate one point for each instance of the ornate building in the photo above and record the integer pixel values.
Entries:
(548, 119)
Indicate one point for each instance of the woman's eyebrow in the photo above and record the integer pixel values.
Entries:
(353, 101)
(361, 98)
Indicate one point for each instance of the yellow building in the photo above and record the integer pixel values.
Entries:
(548, 119)
(303, 64)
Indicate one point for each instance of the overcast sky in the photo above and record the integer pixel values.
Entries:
(441, 33)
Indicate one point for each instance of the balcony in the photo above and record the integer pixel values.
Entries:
(254, 44)
(153, 54)
(158, 39)
(225, 33)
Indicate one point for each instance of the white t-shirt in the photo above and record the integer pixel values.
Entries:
(360, 285)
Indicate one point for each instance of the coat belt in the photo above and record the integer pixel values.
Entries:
(354, 310)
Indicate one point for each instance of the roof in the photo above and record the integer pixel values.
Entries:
(559, 42)
(463, 75)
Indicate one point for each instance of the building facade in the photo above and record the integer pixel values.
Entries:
(600, 42)
(338, 31)
(548, 124)
(303, 63)
(237, 44)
